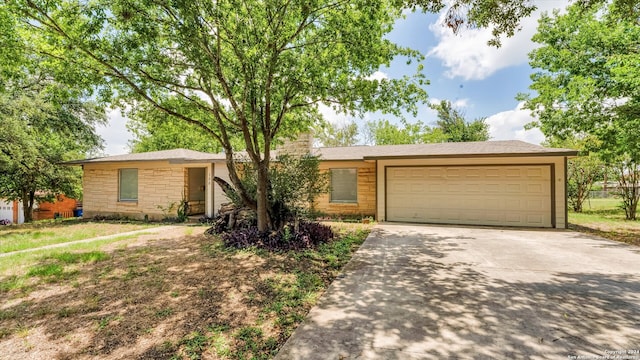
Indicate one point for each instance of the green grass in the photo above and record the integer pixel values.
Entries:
(46, 270)
(194, 345)
(606, 218)
(609, 204)
(51, 268)
(604, 211)
(15, 264)
(74, 258)
(34, 236)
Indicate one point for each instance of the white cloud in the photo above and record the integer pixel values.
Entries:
(509, 125)
(467, 54)
(330, 115)
(115, 133)
(461, 103)
(378, 75)
(458, 103)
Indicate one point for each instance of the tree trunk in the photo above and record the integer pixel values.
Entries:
(629, 188)
(262, 197)
(28, 198)
(226, 188)
(235, 180)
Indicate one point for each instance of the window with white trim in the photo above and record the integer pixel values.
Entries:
(344, 185)
(128, 185)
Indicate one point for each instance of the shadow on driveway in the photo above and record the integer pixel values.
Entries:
(415, 292)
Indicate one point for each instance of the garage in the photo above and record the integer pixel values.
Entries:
(494, 183)
(500, 195)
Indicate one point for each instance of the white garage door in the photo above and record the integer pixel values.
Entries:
(472, 195)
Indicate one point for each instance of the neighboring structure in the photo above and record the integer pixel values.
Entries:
(60, 207)
(12, 211)
(500, 183)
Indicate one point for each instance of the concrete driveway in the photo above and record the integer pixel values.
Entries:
(442, 292)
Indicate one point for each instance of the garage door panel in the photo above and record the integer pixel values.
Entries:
(513, 188)
(491, 195)
(536, 219)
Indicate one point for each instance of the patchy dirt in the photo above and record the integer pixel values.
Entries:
(155, 299)
(629, 235)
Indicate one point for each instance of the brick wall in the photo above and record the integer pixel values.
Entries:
(62, 206)
(159, 184)
(366, 202)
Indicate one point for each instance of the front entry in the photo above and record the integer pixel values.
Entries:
(196, 190)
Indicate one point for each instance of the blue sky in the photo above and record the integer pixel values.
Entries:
(480, 80)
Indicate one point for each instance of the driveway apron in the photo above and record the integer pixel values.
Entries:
(442, 292)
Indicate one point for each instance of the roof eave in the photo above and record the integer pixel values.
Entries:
(449, 156)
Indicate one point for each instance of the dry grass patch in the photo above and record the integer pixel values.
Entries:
(181, 298)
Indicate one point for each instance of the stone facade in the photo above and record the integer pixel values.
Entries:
(159, 184)
(366, 199)
(299, 147)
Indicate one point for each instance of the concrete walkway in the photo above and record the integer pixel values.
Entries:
(151, 230)
(439, 292)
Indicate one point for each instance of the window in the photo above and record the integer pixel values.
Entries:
(128, 185)
(344, 185)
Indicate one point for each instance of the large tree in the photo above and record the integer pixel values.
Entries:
(248, 69)
(456, 128)
(582, 171)
(254, 70)
(155, 130)
(331, 134)
(450, 127)
(588, 84)
(384, 132)
(43, 124)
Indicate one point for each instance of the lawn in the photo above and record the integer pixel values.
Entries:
(165, 297)
(605, 218)
(14, 238)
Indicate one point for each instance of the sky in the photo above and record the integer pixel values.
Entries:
(480, 80)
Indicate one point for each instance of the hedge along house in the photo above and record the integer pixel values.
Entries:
(498, 183)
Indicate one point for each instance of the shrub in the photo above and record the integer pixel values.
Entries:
(295, 183)
(308, 235)
(319, 233)
(113, 217)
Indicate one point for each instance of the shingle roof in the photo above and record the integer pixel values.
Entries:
(175, 155)
(452, 149)
(467, 149)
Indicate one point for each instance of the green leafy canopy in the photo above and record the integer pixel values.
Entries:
(588, 85)
(250, 70)
(588, 78)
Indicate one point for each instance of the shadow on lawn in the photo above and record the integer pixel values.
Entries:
(628, 237)
(403, 299)
(149, 302)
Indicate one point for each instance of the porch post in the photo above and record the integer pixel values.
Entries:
(16, 214)
(208, 194)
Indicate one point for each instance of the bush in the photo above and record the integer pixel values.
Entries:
(294, 185)
(308, 235)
